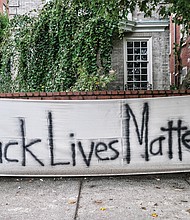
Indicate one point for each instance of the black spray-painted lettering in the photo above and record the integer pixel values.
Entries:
(6, 151)
(25, 147)
(73, 150)
(170, 129)
(174, 134)
(155, 147)
(113, 149)
(159, 151)
(95, 148)
(101, 147)
(1, 153)
(186, 139)
(142, 134)
(85, 158)
(51, 142)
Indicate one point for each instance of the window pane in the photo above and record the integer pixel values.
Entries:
(129, 51)
(144, 86)
(137, 78)
(130, 57)
(130, 71)
(144, 71)
(129, 64)
(144, 57)
(137, 71)
(143, 64)
(137, 50)
(137, 85)
(143, 44)
(144, 77)
(137, 64)
(137, 57)
(137, 44)
(130, 78)
(144, 51)
(129, 44)
(129, 86)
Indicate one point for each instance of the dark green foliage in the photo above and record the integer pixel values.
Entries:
(4, 21)
(3, 25)
(51, 51)
(68, 46)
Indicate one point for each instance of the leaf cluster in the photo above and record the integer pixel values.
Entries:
(69, 44)
(4, 22)
(48, 52)
(3, 25)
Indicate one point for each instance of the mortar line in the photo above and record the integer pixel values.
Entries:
(78, 199)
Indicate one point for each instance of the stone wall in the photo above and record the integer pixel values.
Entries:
(160, 59)
(19, 7)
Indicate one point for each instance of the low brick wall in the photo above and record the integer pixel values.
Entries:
(94, 95)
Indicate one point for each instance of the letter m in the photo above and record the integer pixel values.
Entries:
(142, 134)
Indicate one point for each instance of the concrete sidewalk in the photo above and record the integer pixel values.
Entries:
(130, 197)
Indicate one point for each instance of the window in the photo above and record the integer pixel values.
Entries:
(183, 33)
(183, 74)
(4, 9)
(137, 64)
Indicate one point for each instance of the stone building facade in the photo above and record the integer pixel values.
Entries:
(140, 59)
(19, 7)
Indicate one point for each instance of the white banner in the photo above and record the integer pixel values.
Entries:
(94, 137)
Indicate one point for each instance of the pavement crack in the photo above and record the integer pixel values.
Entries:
(78, 199)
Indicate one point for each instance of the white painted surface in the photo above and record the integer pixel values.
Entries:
(104, 137)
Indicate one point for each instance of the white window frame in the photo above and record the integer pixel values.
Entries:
(149, 58)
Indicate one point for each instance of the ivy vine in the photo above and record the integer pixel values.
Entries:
(68, 46)
(4, 21)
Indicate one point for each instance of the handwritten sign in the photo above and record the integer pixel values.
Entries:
(94, 137)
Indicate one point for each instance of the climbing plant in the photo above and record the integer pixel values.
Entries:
(67, 46)
(3, 24)
(66, 42)
(4, 21)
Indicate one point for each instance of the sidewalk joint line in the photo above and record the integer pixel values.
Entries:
(78, 199)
